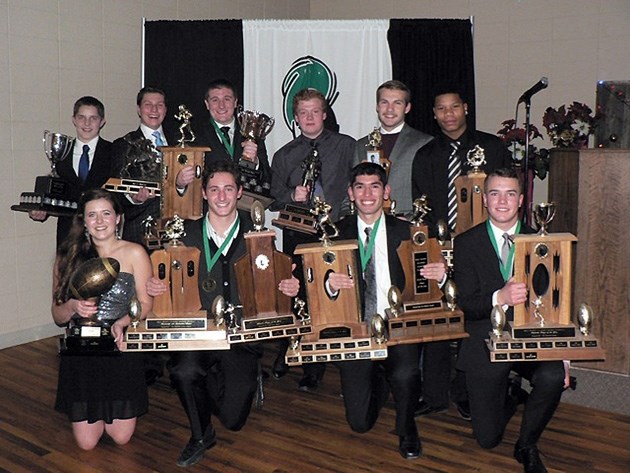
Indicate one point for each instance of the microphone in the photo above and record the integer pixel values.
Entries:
(534, 89)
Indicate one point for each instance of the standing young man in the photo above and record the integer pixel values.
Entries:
(222, 134)
(336, 153)
(483, 281)
(400, 141)
(151, 108)
(90, 164)
(435, 167)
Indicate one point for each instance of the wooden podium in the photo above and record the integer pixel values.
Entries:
(590, 188)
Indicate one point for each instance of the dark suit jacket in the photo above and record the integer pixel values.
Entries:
(409, 141)
(207, 136)
(101, 169)
(135, 213)
(430, 167)
(223, 270)
(397, 232)
(477, 276)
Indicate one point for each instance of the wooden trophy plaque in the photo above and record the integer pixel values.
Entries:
(469, 192)
(296, 217)
(188, 205)
(177, 321)
(339, 334)
(267, 313)
(542, 327)
(421, 315)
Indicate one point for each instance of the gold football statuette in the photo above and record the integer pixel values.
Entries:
(257, 213)
(394, 299)
(135, 311)
(377, 327)
(218, 310)
(585, 318)
(497, 319)
(450, 293)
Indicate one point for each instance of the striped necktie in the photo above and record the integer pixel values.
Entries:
(505, 249)
(454, 170)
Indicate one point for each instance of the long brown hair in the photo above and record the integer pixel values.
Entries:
(77, 247)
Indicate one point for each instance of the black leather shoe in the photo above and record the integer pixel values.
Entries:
(529, 458)
(463, 408)
(424, 409)
(280, 368)
(193, 451)
(308, 384)
(410, 446)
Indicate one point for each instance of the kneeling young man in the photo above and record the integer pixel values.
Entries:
(484, 281)
(365, 384)
(220, 382)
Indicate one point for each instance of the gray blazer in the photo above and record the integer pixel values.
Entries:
(409, 141)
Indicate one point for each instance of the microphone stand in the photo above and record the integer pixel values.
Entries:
(529, 187)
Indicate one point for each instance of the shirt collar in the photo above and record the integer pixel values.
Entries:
(398, 129)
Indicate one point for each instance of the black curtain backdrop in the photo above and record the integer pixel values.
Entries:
(427, 54)
(183, 57)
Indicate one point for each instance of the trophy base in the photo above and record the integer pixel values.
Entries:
(259, 329)
(419, 327)
(508, 349)
(248, 198)
(296, 218)
(174, 335)
(313, 350)
(87, 340)
(53, 206)
(536, 331)
(130, 186)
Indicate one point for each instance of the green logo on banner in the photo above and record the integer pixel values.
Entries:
(306, 72)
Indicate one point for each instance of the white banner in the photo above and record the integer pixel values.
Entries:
(347, 59)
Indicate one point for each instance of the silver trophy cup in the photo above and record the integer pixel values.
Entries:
(57, 148)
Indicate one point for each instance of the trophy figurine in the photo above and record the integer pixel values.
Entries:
(135, 312)
(497, 319)
(184, 117)
(585, 319)
(544, 214)
(469, 190)
(52, 193)
(303, 217)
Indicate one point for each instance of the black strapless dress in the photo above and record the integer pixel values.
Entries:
(104, 388)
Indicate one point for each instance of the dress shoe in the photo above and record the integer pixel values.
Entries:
(308, 383)
(280, 368)
(463, 408)
(424, 409)
(410, 446)
(193, 451)
(529, 458)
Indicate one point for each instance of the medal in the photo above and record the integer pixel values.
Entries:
(209, 284)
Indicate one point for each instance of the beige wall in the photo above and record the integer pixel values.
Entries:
(53, 51)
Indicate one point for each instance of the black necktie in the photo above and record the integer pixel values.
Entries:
(226, 133)
(369, 276)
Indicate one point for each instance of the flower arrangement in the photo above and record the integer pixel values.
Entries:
(514, 139)
(569, 127)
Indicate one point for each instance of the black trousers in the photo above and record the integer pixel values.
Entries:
(366, 384)
(221, 382)
(491, 410)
